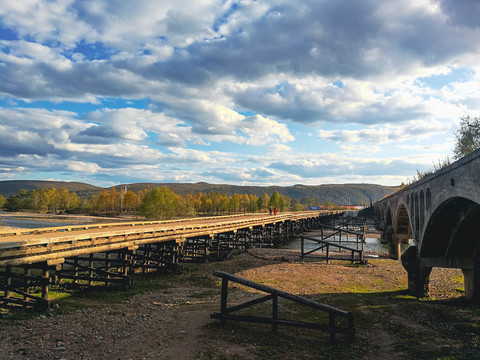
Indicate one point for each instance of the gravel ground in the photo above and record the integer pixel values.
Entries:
(171, 320)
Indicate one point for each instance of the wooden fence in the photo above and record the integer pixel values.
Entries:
(274, 294)
(338, 240)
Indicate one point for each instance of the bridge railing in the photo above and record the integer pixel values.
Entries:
(274, 294)
(331, 239)
(10, 232)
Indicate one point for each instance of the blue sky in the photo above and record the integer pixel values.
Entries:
(237, 92)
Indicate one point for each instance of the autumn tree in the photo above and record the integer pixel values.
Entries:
(67, 200)
(253, 206)
(194, 200)
(234, 203)
(467, 137)
(130, 201)
(265, 201)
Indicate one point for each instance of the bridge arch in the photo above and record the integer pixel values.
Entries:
(403, 226)
(422, 209)
(417, 216)
(450, 230)
(444, 212)
(428, 198)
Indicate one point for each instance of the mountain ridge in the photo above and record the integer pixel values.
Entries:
(339, 194)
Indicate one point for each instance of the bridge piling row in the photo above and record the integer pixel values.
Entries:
(27, 286)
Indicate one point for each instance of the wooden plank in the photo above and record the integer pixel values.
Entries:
(34, 246)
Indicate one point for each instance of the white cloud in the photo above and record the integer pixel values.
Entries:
(261, 130)
(79, 166)
(230, 77)
(386, 134)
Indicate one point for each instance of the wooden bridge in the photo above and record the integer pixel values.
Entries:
(32, 260)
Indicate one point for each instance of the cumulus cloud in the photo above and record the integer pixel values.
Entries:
(224, 79)
(261, 130)
(389, 133)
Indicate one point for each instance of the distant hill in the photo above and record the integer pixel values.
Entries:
(341, 194)
(10, 187)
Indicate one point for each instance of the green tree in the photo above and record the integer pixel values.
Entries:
(309, 201)
(278, 201)
(467, 137)
(283, 203)
(260, 204)
(234, 203)
(162, 203)
(2, 201)
(298, 207)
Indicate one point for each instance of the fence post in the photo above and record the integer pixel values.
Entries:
(45, 282)
(8, 283)
(274, 312)
(302, 256)
(223, 301)
(332, 328)
(350, 327)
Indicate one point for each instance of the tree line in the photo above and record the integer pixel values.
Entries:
(152, 203)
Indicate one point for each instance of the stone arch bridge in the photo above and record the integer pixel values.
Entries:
(439, 216)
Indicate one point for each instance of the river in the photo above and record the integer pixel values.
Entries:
(33, 221)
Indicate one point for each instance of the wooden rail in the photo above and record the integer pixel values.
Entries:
(10, 232)
(274, 320)
(325, 245)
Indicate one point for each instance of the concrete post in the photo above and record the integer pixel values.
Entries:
(418, 276)
(394, 251)
(472, 283)
(393, 244)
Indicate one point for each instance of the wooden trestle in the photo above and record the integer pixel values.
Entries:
(33, 260)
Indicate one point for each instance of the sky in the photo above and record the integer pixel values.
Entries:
(234, 92)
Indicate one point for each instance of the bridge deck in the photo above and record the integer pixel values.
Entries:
(53, 245)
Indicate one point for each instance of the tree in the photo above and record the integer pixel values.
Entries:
(283, 203)
(234, 203)
(163, 203)
(260, 204)
(130, 201)
(265, 201)
(298, 207)
(2, 201)
(467, 137)
(278, 201)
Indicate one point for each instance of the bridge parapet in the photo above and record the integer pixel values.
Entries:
(438, 215)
